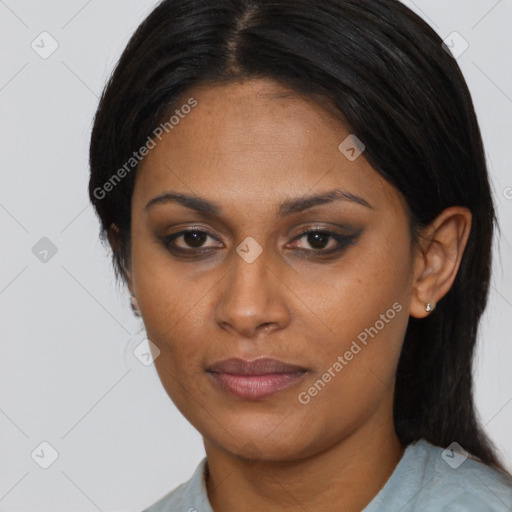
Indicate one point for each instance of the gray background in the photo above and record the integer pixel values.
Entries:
(68, 375)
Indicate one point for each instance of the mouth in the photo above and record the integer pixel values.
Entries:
(255, 380)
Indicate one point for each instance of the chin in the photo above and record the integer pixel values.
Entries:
(252, 443)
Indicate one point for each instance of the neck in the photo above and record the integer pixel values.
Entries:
(349, 474)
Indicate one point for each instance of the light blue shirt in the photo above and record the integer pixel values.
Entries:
(426, 479)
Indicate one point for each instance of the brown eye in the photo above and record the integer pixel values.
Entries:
(319, 239)
(192, 239)
(191, 242)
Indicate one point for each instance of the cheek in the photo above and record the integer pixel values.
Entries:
(162, 296)
(176, 307)
(172, 309)
(356, 369)
(369, 282)
(366, 310)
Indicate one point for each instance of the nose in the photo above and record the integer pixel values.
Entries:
(252, 299)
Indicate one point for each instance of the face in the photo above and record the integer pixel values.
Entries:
(256, 270)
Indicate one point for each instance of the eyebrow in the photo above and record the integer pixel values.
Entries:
(288, 207)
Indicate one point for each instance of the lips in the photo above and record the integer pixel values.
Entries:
(254, 380)
(262, 366)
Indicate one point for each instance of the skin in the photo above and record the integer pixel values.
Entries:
(249, 147)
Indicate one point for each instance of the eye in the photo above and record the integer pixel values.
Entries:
(324, 241)
(191, 239)
(191, 242)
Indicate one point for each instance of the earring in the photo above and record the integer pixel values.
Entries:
(114, 227)
(429, 308)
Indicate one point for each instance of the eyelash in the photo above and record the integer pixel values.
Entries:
(343, 241)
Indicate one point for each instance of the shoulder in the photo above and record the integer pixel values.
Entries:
(187, 497)
(459, 483)
(429, 478)
(174, 500)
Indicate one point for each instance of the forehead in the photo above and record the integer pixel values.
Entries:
(258, 139)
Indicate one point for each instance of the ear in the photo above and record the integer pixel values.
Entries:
(114, 239)
(439, 253)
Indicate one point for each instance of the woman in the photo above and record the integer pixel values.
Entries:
(297, 197)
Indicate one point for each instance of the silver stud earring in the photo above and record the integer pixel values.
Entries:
(429, 308)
